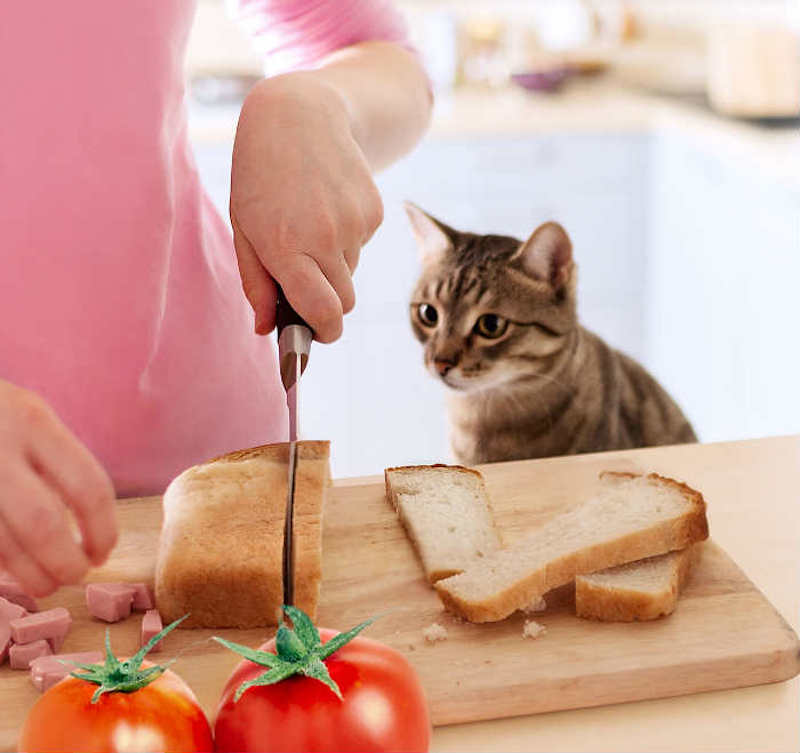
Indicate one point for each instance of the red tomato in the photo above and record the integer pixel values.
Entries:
(162, 716)
(383, 706)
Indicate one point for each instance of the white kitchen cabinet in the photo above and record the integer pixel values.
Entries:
(722, 304)
(685, 261)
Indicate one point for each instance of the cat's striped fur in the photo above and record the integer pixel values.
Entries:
(544, 385)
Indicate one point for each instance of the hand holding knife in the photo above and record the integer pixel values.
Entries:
(294, 344)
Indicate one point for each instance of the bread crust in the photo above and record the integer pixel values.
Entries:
(221, 546)
(312, 481)
(659, 539)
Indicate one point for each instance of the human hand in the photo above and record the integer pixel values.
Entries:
(303, 202)
(44, 471)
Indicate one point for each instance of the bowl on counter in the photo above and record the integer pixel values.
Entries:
(546, 80)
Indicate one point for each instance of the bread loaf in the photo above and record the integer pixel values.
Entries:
(221, 547)
(446, 512)
(630, 518)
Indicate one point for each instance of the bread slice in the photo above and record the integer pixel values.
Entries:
(221, 547)
(643, 590)
(631, 517)
(445, 510)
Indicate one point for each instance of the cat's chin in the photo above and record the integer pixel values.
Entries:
(472, 385)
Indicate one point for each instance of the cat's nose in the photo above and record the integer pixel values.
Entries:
(442, 367)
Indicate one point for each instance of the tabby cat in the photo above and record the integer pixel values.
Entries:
(497, 318)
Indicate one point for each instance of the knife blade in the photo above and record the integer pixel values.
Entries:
(294, 345)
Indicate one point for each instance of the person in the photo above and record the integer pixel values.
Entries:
(127, 350)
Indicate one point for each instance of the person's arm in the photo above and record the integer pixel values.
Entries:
(303, 201)
(385, 91)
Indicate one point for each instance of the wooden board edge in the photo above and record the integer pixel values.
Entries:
(778, 665)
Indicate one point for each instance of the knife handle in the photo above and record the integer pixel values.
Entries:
(285, 315)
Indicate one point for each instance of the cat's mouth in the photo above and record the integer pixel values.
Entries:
(469, 380)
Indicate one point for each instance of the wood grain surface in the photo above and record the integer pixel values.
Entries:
(723, 634)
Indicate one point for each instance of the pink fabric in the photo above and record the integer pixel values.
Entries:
(119, 294)
(298, 33)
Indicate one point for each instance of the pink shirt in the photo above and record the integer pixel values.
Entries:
(120, 299)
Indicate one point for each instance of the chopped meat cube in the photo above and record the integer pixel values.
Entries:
(22, 654)
(53, 623)
(110, 602)
(46, 671)
(5, 641)
(10, 611)
(142, 597)
(151, 625)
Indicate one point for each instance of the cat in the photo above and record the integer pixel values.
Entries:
(498, 321)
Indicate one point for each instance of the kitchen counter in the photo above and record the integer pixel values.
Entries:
(753, 493)
(594, 104)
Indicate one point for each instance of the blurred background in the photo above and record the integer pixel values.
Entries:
(665, 137)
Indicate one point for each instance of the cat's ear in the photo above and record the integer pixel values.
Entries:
(434, 238)
(547, 254)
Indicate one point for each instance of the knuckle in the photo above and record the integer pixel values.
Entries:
(353, 221)
(327, 233)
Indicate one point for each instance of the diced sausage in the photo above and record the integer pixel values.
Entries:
(51, 624)
(11, 590)
(110, 602)
(5, 641)
(22, 654)
(46, 671)
(142, 597)
(151, 625)
(10, 611)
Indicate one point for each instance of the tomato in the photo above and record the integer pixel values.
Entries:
(162, 716)
(382, 705)
(119, 706)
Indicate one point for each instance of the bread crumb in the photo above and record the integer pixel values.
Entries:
(537, 605)
(533, 629)
(434, 633)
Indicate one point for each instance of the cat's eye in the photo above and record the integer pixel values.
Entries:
(491, 326)
(427, 314)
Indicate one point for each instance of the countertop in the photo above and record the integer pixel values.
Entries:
(753, 506)
(598, 104)
(752, 489)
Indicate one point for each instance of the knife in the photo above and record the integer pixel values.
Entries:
(294, 344)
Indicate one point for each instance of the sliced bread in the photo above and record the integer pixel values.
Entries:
(643, 590)
(630, 517)
(446, 511)
(220, 556)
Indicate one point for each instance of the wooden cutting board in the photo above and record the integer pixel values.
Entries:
(724, 633)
